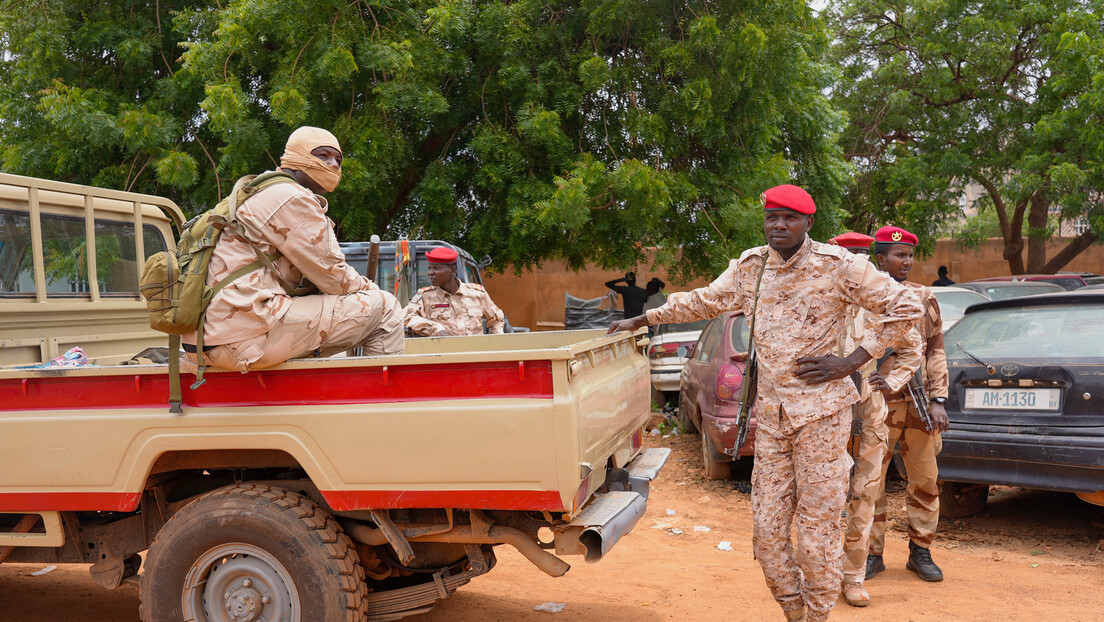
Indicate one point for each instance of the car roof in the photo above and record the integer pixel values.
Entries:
(952, 288)
(1029, 277)
(1041, 300)
(981, 284)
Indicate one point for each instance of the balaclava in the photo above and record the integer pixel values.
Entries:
(297, 155)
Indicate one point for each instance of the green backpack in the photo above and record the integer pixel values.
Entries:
(174, 283)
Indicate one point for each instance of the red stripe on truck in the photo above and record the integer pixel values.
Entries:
(286, 387)
(342, 500)
(69, 501)
(338, 499)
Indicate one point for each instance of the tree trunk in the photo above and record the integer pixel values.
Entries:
(1036, 227)
(1071, 250)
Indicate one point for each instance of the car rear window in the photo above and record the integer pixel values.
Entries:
(1022, 288)
(1051, 331)
(955, 303)
(740, 334)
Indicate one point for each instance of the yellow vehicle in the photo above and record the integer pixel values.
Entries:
(351, 488)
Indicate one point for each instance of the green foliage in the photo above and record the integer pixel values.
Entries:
(1004, 94)
(529, 130)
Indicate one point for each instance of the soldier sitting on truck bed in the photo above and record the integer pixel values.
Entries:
(448, 306)
(252, 322)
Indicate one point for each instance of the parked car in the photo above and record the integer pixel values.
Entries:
(1093, 280)
(1066, 281)
(710, 391)
(953, 301)
(1026, 404)
(999, 290)
(667, 353)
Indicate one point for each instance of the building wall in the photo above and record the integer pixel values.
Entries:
(536, 298)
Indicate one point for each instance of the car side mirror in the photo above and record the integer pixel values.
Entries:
(484, 262)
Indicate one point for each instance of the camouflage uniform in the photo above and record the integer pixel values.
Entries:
(801, 459)
(252, 320)
(870, 453)
(918, 446)
(433, 309)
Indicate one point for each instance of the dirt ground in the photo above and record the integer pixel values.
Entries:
(1031, 556)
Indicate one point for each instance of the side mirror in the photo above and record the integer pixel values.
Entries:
(484, 262)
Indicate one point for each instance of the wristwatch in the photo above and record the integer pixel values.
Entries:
(939, 400)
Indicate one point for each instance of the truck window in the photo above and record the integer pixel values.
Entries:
(63, 249)
(473, 273)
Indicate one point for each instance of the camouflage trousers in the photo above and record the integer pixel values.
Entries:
(918, 450)
(865, 484)
(799, 485)
(321, 323)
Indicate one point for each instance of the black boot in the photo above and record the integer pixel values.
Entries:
(921, 563)
(874, 565)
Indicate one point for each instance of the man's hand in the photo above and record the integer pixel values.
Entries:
(940, 422)
(630, 324)
(877, 382)
(818, 369)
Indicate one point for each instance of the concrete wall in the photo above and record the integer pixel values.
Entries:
(536, 298)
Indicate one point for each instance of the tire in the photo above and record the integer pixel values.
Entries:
(714, 468)
(686, 418)
(266, 547)
(958, 500)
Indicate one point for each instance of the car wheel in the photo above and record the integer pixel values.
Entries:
(714, 468)
(252, 552)
(958, 500)
(686, 418)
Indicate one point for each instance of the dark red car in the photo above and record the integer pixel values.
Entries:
(709, 392)
(1065, 280)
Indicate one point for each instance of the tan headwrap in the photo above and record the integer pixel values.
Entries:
(297, 155)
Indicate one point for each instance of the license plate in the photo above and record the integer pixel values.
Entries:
(1012, 399)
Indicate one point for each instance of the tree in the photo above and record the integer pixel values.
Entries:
(1004, 94)
(530, 130)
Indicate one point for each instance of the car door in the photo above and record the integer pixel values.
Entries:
(696, 377)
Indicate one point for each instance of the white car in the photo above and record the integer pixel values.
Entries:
(668, 351)
(953, 302)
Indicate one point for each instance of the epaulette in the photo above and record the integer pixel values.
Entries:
(831, 250)
(476, 286)
(758, 251)
(425, 289)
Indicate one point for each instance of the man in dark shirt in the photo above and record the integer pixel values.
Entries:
(632, 297)
(942, 281)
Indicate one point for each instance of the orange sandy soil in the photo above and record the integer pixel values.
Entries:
(1031, 556)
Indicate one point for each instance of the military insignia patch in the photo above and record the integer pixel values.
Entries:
(896, 236)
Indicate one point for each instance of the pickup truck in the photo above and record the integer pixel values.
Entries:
(348, 488)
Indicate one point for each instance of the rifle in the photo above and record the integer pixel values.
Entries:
(915, 391)
(373, 258)
(919, 396)
(750, 387)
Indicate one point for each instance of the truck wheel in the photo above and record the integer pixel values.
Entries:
(715, 468)
(253, 553)
(958, 500)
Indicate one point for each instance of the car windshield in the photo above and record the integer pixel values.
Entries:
(1021, 288)
(1031, 332)
(953, 304)
(740, 334)
(688, 327)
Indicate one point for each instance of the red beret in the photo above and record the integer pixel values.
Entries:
(894, 235)
(789, 197)
(852, 239)
(441, 254)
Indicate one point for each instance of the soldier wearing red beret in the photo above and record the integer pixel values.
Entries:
(853, 241)
(893, 248)
(796, 293)
(449, 306)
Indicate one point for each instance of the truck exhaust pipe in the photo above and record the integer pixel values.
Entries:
(603, 522)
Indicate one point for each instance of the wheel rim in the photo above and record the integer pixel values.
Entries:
(239, 582)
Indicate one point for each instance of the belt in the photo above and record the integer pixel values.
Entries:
(189, 347)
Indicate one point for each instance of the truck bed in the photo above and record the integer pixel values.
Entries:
(513, 422)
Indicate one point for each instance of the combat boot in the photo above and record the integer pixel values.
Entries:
(874, 565)
(797, 615)
(921, 563)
